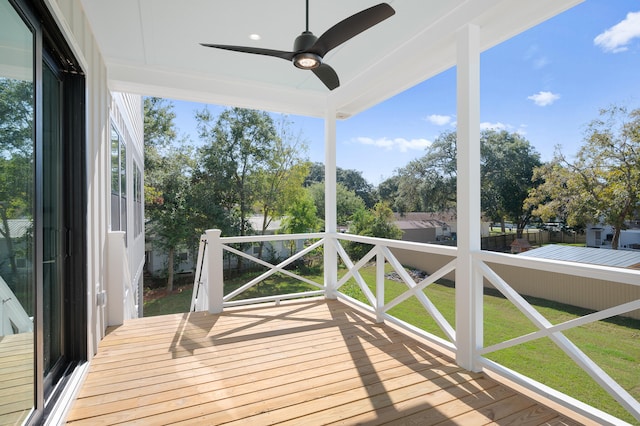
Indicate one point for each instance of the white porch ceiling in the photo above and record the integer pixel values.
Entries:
(151, 47)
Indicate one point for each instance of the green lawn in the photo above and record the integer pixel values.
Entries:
(614, 344)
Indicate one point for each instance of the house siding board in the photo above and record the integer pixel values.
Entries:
(73, 22)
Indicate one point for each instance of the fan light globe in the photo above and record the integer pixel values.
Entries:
(307, 61)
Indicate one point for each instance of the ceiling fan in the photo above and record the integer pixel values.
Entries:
(308, 50)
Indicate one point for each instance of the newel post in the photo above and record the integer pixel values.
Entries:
(215, 277)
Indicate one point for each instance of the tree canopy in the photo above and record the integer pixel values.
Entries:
(602, 183)
(349, 178)
(168, 169)
(429, 183)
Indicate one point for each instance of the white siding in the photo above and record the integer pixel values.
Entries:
(71, 18)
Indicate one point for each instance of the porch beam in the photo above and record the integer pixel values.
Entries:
(330, 205)
(469, 331)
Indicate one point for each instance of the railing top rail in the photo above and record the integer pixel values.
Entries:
(272, 237)
(605, 273)
(406, 245)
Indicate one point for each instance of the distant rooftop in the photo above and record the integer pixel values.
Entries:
(593, 256)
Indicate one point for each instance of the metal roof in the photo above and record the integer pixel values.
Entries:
(593, 256)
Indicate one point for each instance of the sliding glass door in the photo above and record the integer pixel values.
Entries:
(17, 190)
(43, 315)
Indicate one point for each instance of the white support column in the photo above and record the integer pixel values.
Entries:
(215, 277)
(330, 209)
(469, 330)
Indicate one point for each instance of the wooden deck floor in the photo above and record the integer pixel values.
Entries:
(305, 363)
(16, 377)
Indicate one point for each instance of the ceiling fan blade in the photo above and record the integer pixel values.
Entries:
(327, 75)
(255, 50)
(351, 27)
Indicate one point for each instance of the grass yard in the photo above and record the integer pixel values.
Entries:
(614, 345)
(158, 302)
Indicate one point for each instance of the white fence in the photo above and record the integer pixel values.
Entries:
(209, 295)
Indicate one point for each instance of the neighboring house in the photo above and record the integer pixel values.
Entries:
(185, 260)
(424, 227)
(600, 236)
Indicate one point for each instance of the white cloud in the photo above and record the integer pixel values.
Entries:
(541, 62)
(401, 144)
(439, 120)
(493, 126)
(535, 57)
(616, 38)
(544, 98)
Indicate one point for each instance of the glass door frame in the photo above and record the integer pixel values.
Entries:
(49, 41)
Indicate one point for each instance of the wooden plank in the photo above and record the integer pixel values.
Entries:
(312, 362)
(16, 377)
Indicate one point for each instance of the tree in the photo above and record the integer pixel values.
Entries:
(376, 222)
(388, 190)
(279, 181)
(300, 217)
(602, 184)
(349, 178)
(170, 214)
(238, 146)
(429, 183)
(315, 175)
(354, 181)
(507, 161)
(347, 202)
(16, 162)
(168, 170)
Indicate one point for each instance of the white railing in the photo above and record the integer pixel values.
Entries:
(13, 318)
(381, 254)
(123, 303)
(555, 331)
(210, 266)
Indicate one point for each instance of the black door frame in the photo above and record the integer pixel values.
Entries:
(50, 42)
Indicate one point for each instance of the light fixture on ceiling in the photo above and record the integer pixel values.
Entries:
(307, 61)
(255, 37)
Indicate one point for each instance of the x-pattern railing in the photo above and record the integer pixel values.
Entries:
(555, 332)
(381, 254)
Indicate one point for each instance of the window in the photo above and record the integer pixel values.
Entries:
(138, 207)
(118, 182)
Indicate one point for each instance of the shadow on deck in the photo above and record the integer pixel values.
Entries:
(312, 362)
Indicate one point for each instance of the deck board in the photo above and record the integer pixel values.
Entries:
(314, 362)
(16, 377)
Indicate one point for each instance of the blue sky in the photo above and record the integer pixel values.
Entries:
(547, 84)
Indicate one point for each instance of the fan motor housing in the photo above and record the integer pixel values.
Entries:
(304, 41)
